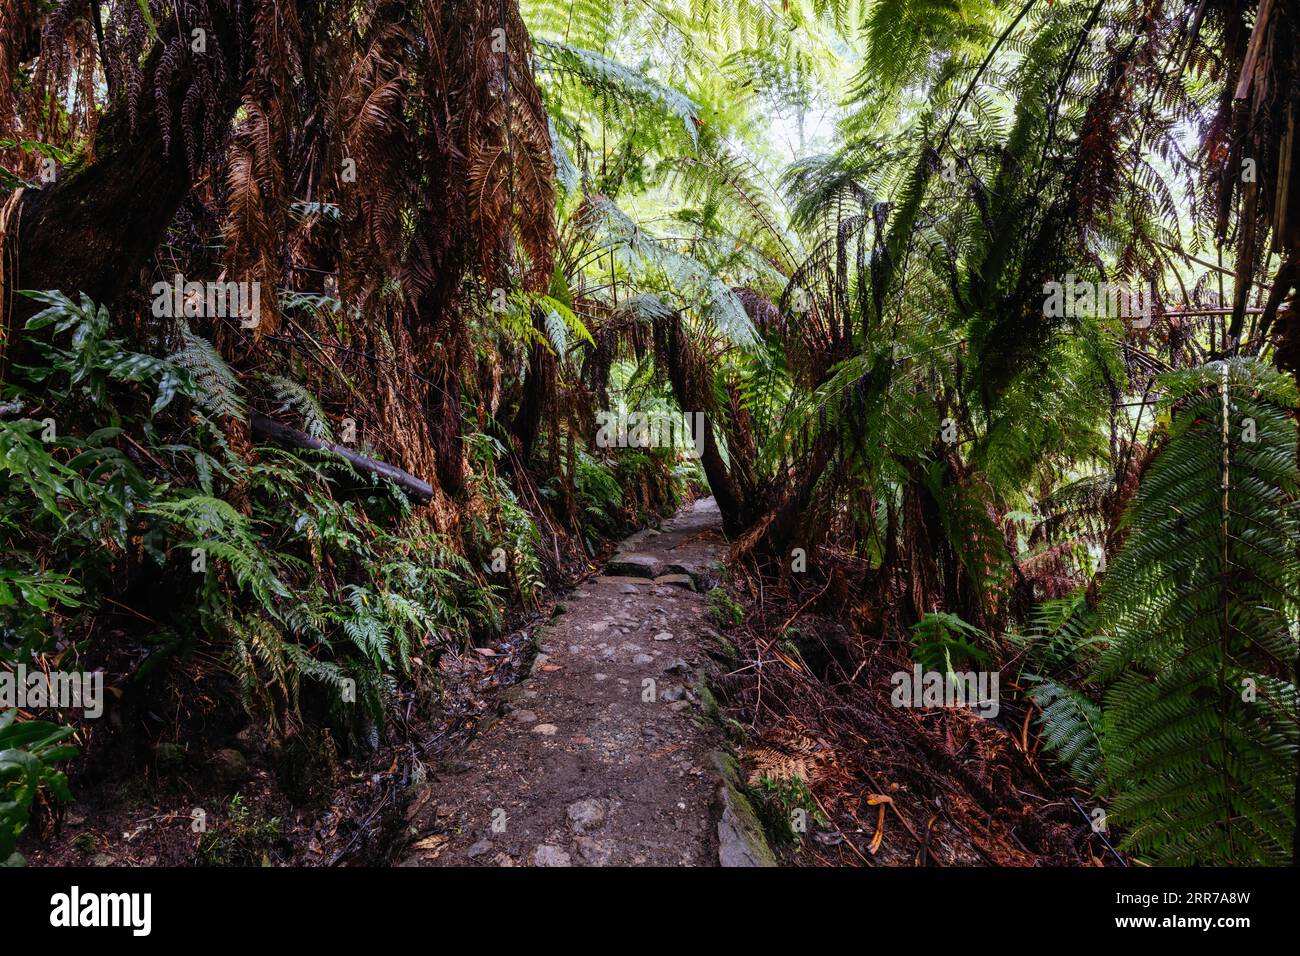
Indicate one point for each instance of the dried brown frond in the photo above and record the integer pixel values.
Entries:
(786, 752)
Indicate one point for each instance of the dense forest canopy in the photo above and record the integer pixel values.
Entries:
(313, 310)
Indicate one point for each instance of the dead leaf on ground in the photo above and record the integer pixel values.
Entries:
(432, 845)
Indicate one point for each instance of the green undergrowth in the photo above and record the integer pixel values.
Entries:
(135, 530)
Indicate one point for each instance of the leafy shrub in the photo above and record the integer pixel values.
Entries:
(506, 525)
(28, 752)
(298, 579)
(242, 839)
(946, 644)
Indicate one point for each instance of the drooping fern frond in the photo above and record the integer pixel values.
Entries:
(725, 173)
(685, 275)
(261, 662)
(556, 333)
(219, 391)
(562, 323)
(221, 532)
(566, 171)
(293, 395)
(602, 74)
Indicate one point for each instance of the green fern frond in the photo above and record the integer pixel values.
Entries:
(218, 389)
(600, 73)
(292, 395)
(1199, 609)
(1071, 726)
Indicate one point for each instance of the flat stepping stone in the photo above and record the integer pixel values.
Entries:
(677, 581)
(633, 566)
(621, 579)
(704, 578)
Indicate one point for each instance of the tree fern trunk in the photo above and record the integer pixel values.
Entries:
(99, 224)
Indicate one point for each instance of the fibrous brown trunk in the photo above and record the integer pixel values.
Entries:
(95, 228)
(539, 379)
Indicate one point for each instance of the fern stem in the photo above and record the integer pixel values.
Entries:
(1225, 570)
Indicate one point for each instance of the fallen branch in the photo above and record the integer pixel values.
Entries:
(267, 429)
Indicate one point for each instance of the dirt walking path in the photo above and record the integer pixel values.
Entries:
(605, 754)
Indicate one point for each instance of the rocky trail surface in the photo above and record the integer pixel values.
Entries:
(606, 754)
